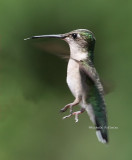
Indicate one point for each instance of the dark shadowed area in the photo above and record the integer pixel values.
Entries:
(33, 79)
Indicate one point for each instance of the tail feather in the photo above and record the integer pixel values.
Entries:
(100, 137)
(101, 130)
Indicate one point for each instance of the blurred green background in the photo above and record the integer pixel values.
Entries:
(33, 87)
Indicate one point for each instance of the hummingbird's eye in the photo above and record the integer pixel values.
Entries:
(74, 35)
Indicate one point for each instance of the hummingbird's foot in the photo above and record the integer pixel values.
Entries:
(76, 114)
(67, 116)
(70, 105)
(66, 107)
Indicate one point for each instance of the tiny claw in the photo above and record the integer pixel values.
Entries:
(67, 116)
(76, 116)
(62, 110)
(65, 108)
(76, 119)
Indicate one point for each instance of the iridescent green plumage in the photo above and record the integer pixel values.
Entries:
(95, 96)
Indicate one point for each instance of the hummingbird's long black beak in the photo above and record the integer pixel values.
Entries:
(48, 36)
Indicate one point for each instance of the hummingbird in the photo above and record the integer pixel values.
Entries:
(83, 79)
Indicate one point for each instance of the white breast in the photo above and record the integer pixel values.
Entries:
(78, 87)
(74, 78)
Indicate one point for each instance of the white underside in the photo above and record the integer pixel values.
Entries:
(78, 87)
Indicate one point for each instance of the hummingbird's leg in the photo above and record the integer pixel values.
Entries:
(70, 105)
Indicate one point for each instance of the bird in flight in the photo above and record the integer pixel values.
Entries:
(83, 79)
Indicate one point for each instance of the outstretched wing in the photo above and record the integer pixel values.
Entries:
(96, 99)
(55, 48)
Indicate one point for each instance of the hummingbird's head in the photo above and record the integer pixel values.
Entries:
(81, 37)
(81, 42)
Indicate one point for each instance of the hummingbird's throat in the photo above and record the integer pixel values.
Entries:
(79, 55)
(77, 52)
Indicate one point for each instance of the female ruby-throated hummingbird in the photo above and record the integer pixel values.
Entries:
(83, 79)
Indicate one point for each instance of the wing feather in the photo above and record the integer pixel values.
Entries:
(96, 99)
